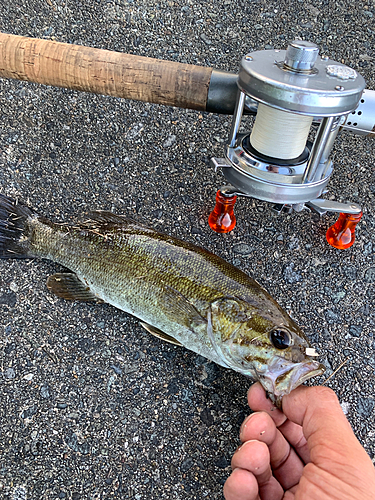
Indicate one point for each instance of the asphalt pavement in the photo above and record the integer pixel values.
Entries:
(92, 406)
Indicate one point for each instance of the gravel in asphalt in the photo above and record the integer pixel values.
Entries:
(92, 407)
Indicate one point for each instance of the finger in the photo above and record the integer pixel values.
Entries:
(286, 464)
(254, 456)
(241, 485)
(293, 432)
(258, 401)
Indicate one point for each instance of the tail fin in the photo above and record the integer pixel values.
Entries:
(14, 228)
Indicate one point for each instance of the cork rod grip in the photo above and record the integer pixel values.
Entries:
(104, 72)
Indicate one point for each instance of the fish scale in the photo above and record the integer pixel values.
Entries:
(180, 292)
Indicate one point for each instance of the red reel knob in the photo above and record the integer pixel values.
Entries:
(222, 218)
(342, 234)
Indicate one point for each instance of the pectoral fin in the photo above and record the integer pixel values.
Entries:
(159, 334)
(180, 308)
(69, 287)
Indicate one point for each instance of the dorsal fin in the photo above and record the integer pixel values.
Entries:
(106, 217)
(103, 220)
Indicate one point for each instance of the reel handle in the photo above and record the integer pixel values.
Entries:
(342, 234)
(222, 218)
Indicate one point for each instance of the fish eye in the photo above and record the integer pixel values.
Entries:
(280, 339)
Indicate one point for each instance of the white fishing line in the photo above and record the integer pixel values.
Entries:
(279, 134)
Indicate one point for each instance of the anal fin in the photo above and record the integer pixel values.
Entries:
(159, 334)
(69, 287)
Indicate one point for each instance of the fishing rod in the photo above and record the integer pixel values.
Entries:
(290, 92)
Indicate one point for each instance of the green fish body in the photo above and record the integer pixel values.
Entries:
(180, 292)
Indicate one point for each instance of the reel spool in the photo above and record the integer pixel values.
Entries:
(276, 162)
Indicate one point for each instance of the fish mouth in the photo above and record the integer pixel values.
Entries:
(283, 377)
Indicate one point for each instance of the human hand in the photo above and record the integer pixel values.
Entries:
(308, 451)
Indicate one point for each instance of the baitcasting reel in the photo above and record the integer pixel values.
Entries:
(277, 161)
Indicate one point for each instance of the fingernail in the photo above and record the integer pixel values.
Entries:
(245, 422)
(246, 442)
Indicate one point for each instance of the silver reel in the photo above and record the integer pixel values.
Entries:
(276, 162)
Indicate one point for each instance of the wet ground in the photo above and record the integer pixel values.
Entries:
(91, 406)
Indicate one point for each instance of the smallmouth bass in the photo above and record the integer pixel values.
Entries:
(181, 293)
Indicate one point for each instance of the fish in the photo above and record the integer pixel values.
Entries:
(181, 293)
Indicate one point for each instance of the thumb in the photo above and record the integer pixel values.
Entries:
(318, 411)
(330, 438)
